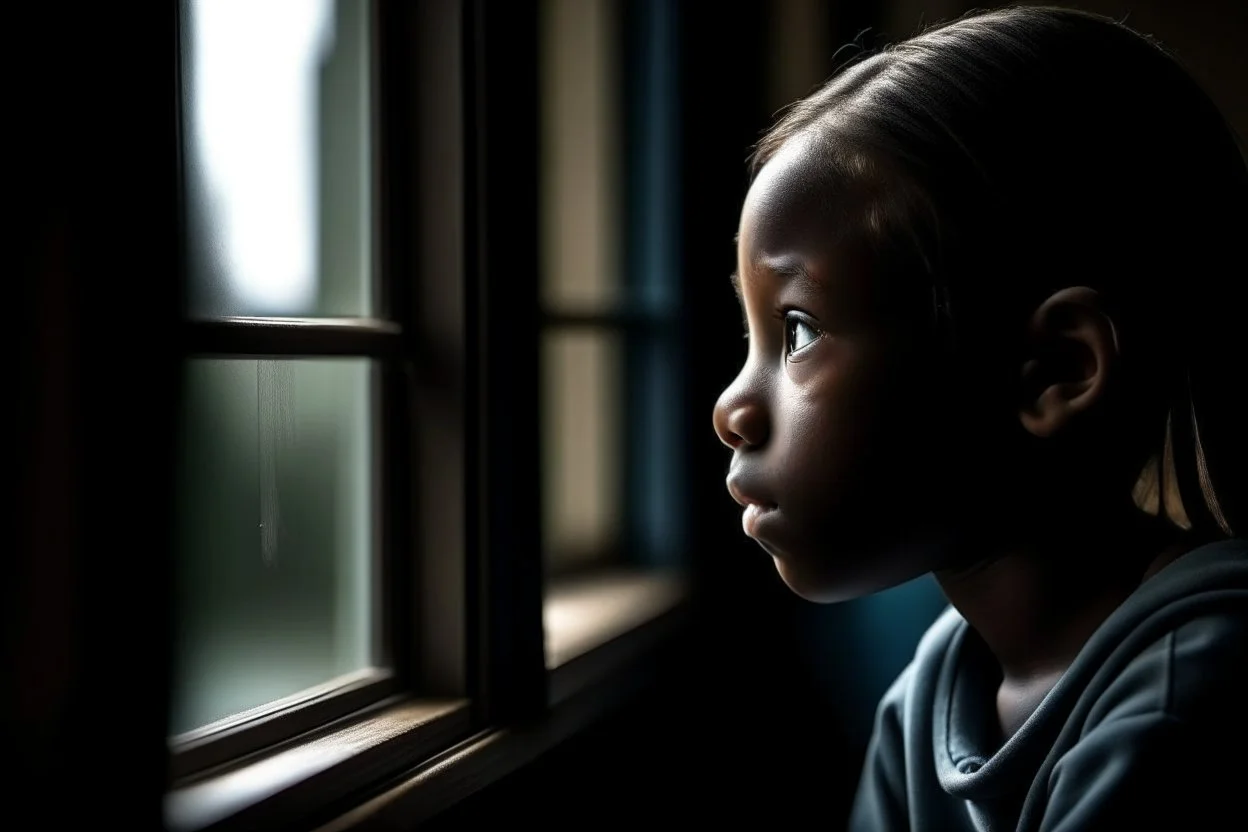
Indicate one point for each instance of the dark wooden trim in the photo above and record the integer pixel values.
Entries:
(292, 337)
(429, 41)
(502, 131)
(392, 262)
(289, 786)
(245, 734)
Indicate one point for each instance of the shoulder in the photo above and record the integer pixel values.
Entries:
(1193, 672)
(1148, 738)
(1183, 652)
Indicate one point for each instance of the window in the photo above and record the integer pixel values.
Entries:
(612, 474)
(280, 497)
(360, 607)
(303, 608)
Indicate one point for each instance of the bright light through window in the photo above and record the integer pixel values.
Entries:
(274, 97)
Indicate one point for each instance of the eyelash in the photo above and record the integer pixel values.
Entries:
(790, 317)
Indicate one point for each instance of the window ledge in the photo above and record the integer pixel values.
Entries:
(599, 630)
(599, 622)
(274, 786)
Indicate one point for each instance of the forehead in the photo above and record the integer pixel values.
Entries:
(816, 211)
(801, 207)
(796, 207)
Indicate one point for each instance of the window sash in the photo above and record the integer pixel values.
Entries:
(406, 372)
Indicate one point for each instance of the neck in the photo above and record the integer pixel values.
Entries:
(1036, 601)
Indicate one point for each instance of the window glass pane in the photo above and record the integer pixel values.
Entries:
(583, 476)
(582, 198)
(275, 565)
(276, 157)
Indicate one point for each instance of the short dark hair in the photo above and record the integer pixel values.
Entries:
(1014, 152)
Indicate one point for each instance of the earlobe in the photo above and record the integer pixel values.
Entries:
(1073, 348)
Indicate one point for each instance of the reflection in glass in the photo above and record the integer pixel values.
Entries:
(276, 138)
(275, 563)
(582, 471)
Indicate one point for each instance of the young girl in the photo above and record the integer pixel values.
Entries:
(992, 282)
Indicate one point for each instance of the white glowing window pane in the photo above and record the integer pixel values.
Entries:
(276, 159)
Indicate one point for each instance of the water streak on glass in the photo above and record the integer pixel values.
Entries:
(276, 557)
(276, 438)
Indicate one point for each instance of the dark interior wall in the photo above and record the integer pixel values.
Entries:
(85, 587)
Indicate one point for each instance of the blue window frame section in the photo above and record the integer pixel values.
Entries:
(654, 475)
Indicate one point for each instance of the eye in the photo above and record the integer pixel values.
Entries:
(799, 332)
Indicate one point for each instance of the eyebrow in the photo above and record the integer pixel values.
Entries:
(791, 269)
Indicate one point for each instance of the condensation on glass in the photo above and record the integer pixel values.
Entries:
(276, 138)
(275, 584)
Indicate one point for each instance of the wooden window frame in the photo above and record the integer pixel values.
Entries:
(322, 744)
(478, 689)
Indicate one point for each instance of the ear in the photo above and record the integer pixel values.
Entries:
(1072, 350)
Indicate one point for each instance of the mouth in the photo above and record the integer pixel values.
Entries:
(745, 498)
(756, 509)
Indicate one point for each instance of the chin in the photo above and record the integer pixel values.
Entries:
(859, 575)
(817, 588)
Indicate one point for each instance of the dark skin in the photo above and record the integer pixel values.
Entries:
(845, 430)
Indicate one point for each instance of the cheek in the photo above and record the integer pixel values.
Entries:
(827, 414)
(858, 435)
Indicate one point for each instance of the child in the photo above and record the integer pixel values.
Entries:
(991, 280)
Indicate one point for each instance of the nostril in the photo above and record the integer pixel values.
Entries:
(726, 435)
(740, 418)
(748, 426)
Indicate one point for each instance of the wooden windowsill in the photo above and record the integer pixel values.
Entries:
(587, 618)
(272, 787)
(599, 630)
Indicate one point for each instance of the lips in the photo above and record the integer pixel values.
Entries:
(746, 497)
(757, 507)
(753, 516)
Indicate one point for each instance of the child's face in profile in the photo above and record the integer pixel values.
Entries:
(833, 420)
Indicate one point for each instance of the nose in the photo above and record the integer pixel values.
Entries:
(740, 417)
